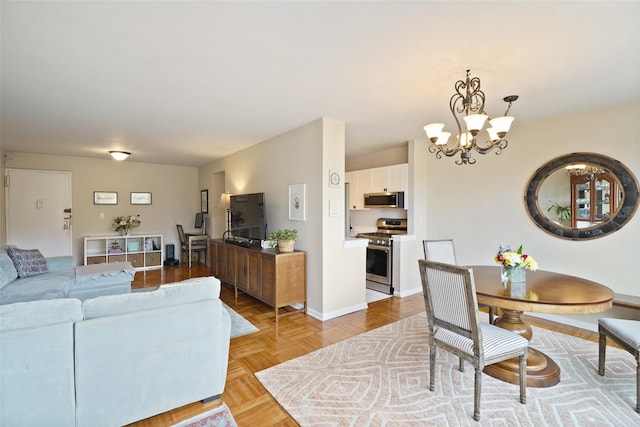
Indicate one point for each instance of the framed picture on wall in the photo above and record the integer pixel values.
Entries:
(140, 198)
(297, 202)
(204, 201)
(105, 198)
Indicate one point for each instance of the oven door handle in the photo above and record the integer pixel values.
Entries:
(378, 248)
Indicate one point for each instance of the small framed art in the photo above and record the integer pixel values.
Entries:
(143, 198)
(297, 202)
(105, 198)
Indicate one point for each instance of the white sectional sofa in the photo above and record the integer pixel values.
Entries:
(112, 360)
(58, 277)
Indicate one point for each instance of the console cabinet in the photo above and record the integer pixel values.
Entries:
(144, 252)
(276, 278)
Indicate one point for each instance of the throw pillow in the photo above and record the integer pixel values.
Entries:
(28, 262)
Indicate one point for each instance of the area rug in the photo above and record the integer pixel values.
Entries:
(239, 325)
(381, 378)
(219, 417)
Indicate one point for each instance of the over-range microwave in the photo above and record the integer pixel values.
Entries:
(389, 199)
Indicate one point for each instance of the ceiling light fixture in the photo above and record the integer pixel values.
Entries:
(468, 102)
(584, 170)
(119, 155)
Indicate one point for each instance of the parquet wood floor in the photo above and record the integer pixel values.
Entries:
(250, 404)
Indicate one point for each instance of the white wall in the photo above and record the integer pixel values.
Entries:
(303, 156)
(175, 195)
(482, 205)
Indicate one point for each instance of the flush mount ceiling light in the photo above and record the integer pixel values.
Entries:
(119, 155)
(468, 103)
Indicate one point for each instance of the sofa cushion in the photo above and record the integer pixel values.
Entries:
(7, 265)
(28, 262)
(188, 291)
(4, 279)
(36, 314)
(47, 286)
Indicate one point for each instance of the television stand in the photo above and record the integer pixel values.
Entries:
(278, 279)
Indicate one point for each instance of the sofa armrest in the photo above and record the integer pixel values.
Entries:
(59, 263)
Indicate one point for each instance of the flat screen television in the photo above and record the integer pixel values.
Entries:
(248, 217)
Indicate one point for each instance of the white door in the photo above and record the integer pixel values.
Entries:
(38, 207)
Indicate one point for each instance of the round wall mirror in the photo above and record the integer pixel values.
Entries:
(582, 196)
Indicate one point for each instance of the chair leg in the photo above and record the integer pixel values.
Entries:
(477, 389)
(602, 346)
(432, 367)
(461, 365)
(491, 315)
(523, 378)
(638, 387)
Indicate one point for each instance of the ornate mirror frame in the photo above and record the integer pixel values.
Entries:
(623, 214)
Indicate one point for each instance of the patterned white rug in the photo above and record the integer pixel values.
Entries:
(381, 378)
(218, 417)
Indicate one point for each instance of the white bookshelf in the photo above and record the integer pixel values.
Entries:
(143, 251)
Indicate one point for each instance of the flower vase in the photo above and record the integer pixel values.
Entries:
(513, 275)
(124, 231)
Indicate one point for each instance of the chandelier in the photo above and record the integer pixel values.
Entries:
(588, 171)
(468, 103)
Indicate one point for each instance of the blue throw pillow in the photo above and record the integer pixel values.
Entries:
(28, 262)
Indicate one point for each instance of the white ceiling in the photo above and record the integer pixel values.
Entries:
(186, 83)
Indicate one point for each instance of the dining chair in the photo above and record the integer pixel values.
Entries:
(452, 312)
(199, 246)
(625, 333)
(443, 251)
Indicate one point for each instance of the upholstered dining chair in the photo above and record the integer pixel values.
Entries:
(443, 251)
(452, 313)
(625, 333)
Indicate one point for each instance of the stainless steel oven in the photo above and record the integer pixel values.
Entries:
(380, 268)
(380, 253)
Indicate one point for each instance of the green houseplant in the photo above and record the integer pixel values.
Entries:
(562, 212)
(285, 237)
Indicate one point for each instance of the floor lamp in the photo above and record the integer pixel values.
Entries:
(225, 202)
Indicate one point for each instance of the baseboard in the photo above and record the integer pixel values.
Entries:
(337, 313)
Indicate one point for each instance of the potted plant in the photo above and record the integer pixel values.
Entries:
(562, 212)
(285, 237)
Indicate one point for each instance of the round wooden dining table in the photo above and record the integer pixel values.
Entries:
(542, 292)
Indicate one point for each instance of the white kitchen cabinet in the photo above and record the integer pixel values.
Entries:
(359, 184)
(377, 180)
(389, 178)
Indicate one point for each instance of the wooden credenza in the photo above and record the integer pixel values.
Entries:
(276, 278)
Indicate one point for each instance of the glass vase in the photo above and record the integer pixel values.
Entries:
(513, 275)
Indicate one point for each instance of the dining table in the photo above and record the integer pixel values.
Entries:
(541, 292)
